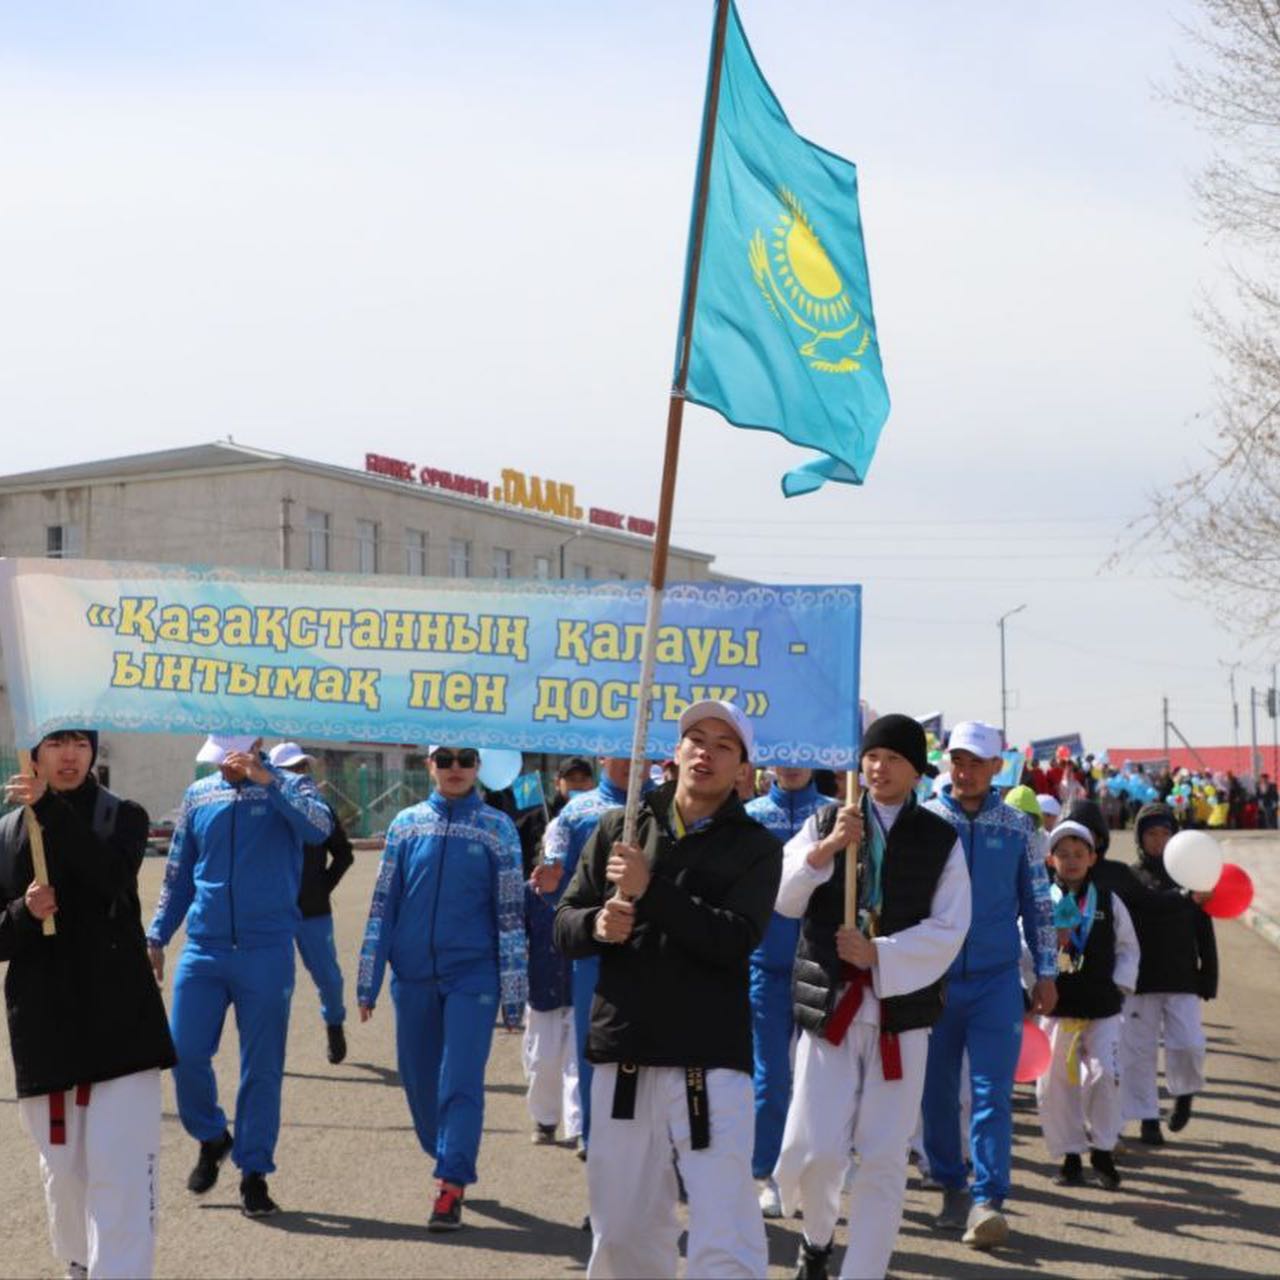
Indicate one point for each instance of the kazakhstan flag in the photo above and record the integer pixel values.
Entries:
(784, 338)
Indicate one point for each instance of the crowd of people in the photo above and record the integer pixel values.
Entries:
(760, 1003)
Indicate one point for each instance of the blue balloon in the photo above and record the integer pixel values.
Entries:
(499, 768)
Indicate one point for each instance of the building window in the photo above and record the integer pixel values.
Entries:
(317, 540)
(415, 553)
(542, 567)
(502, 562)
(63, 541)
(459, 558)
(366, 546)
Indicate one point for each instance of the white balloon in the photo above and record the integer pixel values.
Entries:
(499, 768)
(1194, 860)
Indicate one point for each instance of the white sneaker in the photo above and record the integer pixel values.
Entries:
(770, 1200)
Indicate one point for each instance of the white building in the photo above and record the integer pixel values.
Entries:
(227, 504)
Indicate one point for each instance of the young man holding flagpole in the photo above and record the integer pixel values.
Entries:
(674, 917)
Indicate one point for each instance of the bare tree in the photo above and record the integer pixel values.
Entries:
(1222, 520)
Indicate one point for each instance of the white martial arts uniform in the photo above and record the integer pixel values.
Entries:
(1171, 1016)
(1079, 1096)
(840, 1096)
(551, 1068)
(100, 1185)
(631, 1179)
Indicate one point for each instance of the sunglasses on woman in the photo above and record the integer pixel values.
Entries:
(465, 759)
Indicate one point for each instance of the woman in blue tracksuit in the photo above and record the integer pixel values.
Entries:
(787, 807)
(448, 914)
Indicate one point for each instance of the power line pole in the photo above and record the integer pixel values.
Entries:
(1255, 760)
(1165, 727)
(1004, 694)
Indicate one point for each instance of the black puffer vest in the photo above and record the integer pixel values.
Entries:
(915, 853)
(1091, 992)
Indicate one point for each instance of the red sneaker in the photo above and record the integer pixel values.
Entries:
(446, 1214)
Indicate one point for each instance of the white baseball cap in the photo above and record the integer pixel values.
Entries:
(1069, 828)
(286, 754)
(435, 746)
(218, 746)
(982, 740)
(1049, 805)
(709, 709)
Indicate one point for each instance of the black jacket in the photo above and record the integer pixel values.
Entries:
(323, 865)
(83, 1005)
(916, 852)
(1091, 991)
(675, 994)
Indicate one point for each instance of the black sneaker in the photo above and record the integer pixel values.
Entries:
(254, 1200)
(1151, 1134)
(1071, 1174)
(337, 1043)
(446, 1213)
(544, 1135)
(812, 1261)
(212, 1154)
(1181, 1112)
(1105, 1167)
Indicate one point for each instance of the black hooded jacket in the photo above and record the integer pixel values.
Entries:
(1179, 950)
(675, 994)
(83, 1005)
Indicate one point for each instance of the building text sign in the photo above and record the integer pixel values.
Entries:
(512, 489)
(530, 665)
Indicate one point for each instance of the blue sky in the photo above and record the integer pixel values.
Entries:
(455, 232)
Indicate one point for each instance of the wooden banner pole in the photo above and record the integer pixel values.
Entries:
(35, 837)
(851, 796)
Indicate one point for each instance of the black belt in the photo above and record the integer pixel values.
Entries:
(695, 1091)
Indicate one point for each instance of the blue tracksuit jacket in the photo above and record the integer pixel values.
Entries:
(235, 862)
(448, 906)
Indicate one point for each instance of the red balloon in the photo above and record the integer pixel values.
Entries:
(1035, 1055)
(1232, 895)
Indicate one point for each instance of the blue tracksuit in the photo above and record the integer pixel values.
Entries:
(564, 842)
(448, 915)
(783, 813)
(984, 1009)
(319, 951)
(234, 867)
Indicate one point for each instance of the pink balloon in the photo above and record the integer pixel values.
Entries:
(1034, 1056)
(1232, 895)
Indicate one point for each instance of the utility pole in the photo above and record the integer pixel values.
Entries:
(1004, 694)
(1164, 722)
(1274, 707)
(1255, 760)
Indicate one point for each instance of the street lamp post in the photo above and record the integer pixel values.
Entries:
(1004, 696)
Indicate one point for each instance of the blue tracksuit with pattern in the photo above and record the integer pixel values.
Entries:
(984, 1009)
(783, 813)
(235, 864)
(448, 915)
(564, 842)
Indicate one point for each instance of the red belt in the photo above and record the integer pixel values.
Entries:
(58, 1113)
(846, 1010)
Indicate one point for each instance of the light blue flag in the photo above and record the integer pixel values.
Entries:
(784, 337)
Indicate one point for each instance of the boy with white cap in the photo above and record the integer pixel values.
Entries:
(1079, 1096)
(674, 919)
(866, 996)
(323, 865)
(984, 1010)
(235, 866)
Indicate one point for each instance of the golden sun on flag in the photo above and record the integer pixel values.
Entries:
(803, 282)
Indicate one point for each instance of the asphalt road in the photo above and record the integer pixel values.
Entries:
(355, 1187)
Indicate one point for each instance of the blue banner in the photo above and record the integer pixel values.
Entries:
(532, 666)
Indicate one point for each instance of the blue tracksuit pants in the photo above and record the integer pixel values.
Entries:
(772, 1028)
(983, 1014)
(585, 973)
(258, 983)
(443, 1035)
(319, 953)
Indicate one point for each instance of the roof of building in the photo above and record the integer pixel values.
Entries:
(227, 454)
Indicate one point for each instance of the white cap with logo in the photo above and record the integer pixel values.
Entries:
(982, 740)
(709, 709)
(218, 746)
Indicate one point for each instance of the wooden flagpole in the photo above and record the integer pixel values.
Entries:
(675, 420)
(35, 837)
(851, 796)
